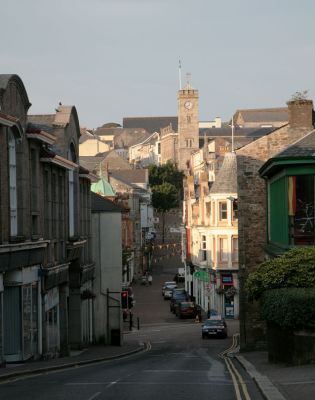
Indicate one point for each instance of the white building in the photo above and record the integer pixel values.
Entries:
(212, 239)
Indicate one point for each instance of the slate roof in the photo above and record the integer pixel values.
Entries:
(44, 119)
(133, 175)
(263, 115)
(99, 203)
(226, 178)
(304, 147)
(111, 158)
(60, 118)
(31, 127)
(91, 162)
(150, 124)
(130, 137)
(226, 131)
(116, 131)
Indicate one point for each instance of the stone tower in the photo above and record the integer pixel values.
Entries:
(188, 125)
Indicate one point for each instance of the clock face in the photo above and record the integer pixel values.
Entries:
(188, 105)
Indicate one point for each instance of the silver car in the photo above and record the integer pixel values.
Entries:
(168, 284)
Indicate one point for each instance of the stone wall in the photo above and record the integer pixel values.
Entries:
(252, 220)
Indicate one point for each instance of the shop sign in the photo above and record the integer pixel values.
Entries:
(227, 279)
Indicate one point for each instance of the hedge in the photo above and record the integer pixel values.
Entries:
(289, 308)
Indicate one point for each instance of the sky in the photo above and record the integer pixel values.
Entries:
(120, 58)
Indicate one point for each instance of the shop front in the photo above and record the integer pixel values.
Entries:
(227, 292)
(21, 299)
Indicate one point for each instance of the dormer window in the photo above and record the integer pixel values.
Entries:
(222, 210)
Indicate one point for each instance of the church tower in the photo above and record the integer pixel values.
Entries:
(188, 124)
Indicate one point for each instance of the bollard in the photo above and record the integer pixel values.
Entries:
(130, 322)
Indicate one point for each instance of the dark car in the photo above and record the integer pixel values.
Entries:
(177, 297)
(186, 309)
(215, 326)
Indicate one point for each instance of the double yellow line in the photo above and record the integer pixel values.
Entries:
(240, 387)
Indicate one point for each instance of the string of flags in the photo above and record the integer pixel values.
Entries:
(165, 246)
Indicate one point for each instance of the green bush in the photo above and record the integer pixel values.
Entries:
(294, 269)
(289, 308)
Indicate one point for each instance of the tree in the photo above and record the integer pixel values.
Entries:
(166, 182)
(164, 198)
(166, 173)
(111, 125)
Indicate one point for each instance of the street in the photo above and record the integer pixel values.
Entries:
(177, 363)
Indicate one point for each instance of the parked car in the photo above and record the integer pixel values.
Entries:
(177, 297)
(168, 285)
(215, 326)
(185, 309)
(168, 292)
(179, 278)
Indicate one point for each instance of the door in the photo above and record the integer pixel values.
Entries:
(12, 323)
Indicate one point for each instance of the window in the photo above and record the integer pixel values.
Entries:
(188, 142)
(54, 205)
(208, 208)
(235, 249)
(12, 183)
(203, 248)
(223, 211)
(302, 208)
(71, 203)
(223, 243)
(34, 190)
(47, 203)
(235, 210)
(72, 191)
(188, 119)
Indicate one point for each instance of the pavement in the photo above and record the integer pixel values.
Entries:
(90, 355)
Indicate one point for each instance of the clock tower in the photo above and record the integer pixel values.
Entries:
(188, 125)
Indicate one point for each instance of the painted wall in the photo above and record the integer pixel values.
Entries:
(107, 253)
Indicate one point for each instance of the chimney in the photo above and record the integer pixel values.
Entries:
(300, 113)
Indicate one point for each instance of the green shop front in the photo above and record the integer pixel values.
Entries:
(291, 202)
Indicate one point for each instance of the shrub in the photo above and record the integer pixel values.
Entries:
(294, 269)
(289, 308)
